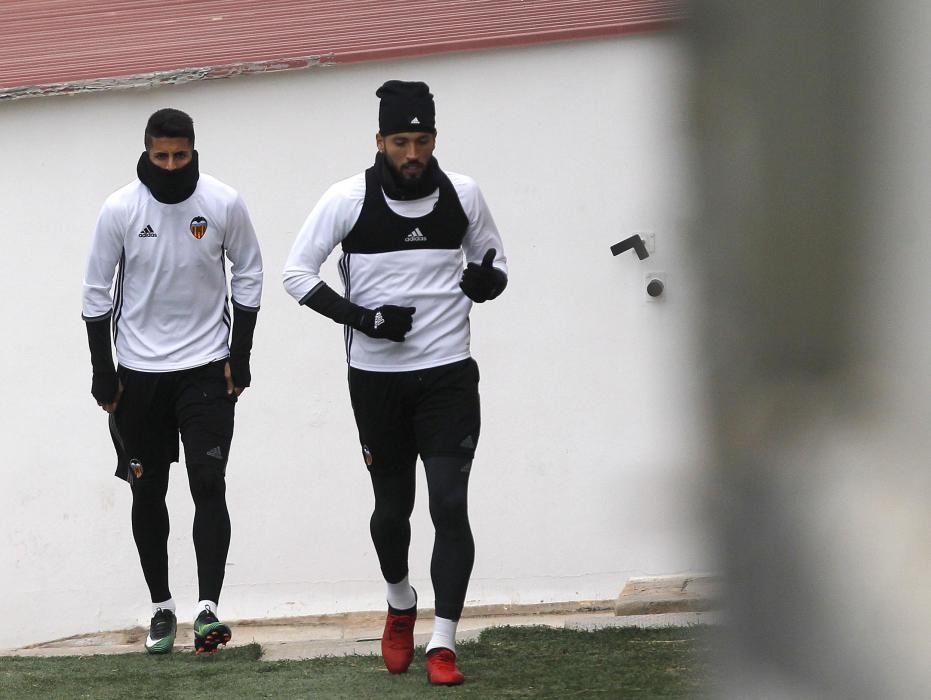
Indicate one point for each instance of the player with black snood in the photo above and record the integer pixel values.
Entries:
(406, 230)
(166, 237)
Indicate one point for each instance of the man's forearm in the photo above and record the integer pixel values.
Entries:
(324, 300)
(241, 345)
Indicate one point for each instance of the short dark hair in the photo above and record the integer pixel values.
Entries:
(169, 123)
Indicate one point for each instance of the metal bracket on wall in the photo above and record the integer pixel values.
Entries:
(636, 242)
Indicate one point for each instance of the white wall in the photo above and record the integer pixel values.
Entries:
(592, 439)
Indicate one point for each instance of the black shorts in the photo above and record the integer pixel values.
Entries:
(431, 412)
(156, 407)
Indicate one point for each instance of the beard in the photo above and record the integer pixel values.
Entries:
(410, 172)
(406, 182)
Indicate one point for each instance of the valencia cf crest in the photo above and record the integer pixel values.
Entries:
(198, 227)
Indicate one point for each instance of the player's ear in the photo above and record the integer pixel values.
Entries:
(379, 142)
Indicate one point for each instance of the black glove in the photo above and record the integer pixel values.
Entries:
(104, 386)
(239, 368)
(391, 322)
(388, 321)
(483, 282)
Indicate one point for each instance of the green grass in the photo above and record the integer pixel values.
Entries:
(505, 662)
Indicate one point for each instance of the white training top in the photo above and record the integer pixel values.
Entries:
(425, 278)
(169, 303)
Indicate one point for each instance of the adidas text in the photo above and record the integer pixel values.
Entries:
(415, 236)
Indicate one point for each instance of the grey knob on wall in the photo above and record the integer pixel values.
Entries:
(655, 287)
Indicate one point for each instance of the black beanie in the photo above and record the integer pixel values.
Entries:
(405, 107)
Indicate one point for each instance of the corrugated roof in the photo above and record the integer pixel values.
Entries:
(60, 46)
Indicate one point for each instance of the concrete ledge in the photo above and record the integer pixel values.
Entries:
(680, 593)
(644, 602)
(376, 618)
(349, 631)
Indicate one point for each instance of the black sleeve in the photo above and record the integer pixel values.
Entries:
(98, 340)
(241, 345)
(104, 383)
(324, 300)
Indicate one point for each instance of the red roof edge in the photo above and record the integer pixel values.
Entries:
(193, 74)
(172, 77)
(512, 41)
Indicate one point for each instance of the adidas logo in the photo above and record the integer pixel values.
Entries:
(415, 236)
(415, 120)
(148, 232)
(379, 319)
(216, 453)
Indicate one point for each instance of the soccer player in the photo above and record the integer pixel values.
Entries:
(405, 228)
(167, 235)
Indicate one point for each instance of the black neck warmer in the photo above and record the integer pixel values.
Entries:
(168, 186)
(397, 188)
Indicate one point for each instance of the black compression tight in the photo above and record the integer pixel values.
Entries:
(211, 529)
(453, 546)
(390, 524)
(150, 530)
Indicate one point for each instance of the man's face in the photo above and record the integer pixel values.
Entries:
(407, 153)
(170, 152)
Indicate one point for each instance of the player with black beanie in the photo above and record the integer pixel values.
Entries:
(419, 247)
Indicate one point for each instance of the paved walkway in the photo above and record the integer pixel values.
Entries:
(360, 633)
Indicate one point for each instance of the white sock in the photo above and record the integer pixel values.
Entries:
(164, 605)
(401, 595)
(208, 604)
(444, 634)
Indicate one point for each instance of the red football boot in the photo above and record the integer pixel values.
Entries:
(397, 641)
(441, 668)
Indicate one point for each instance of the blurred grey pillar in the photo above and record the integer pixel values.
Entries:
(813, 136)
